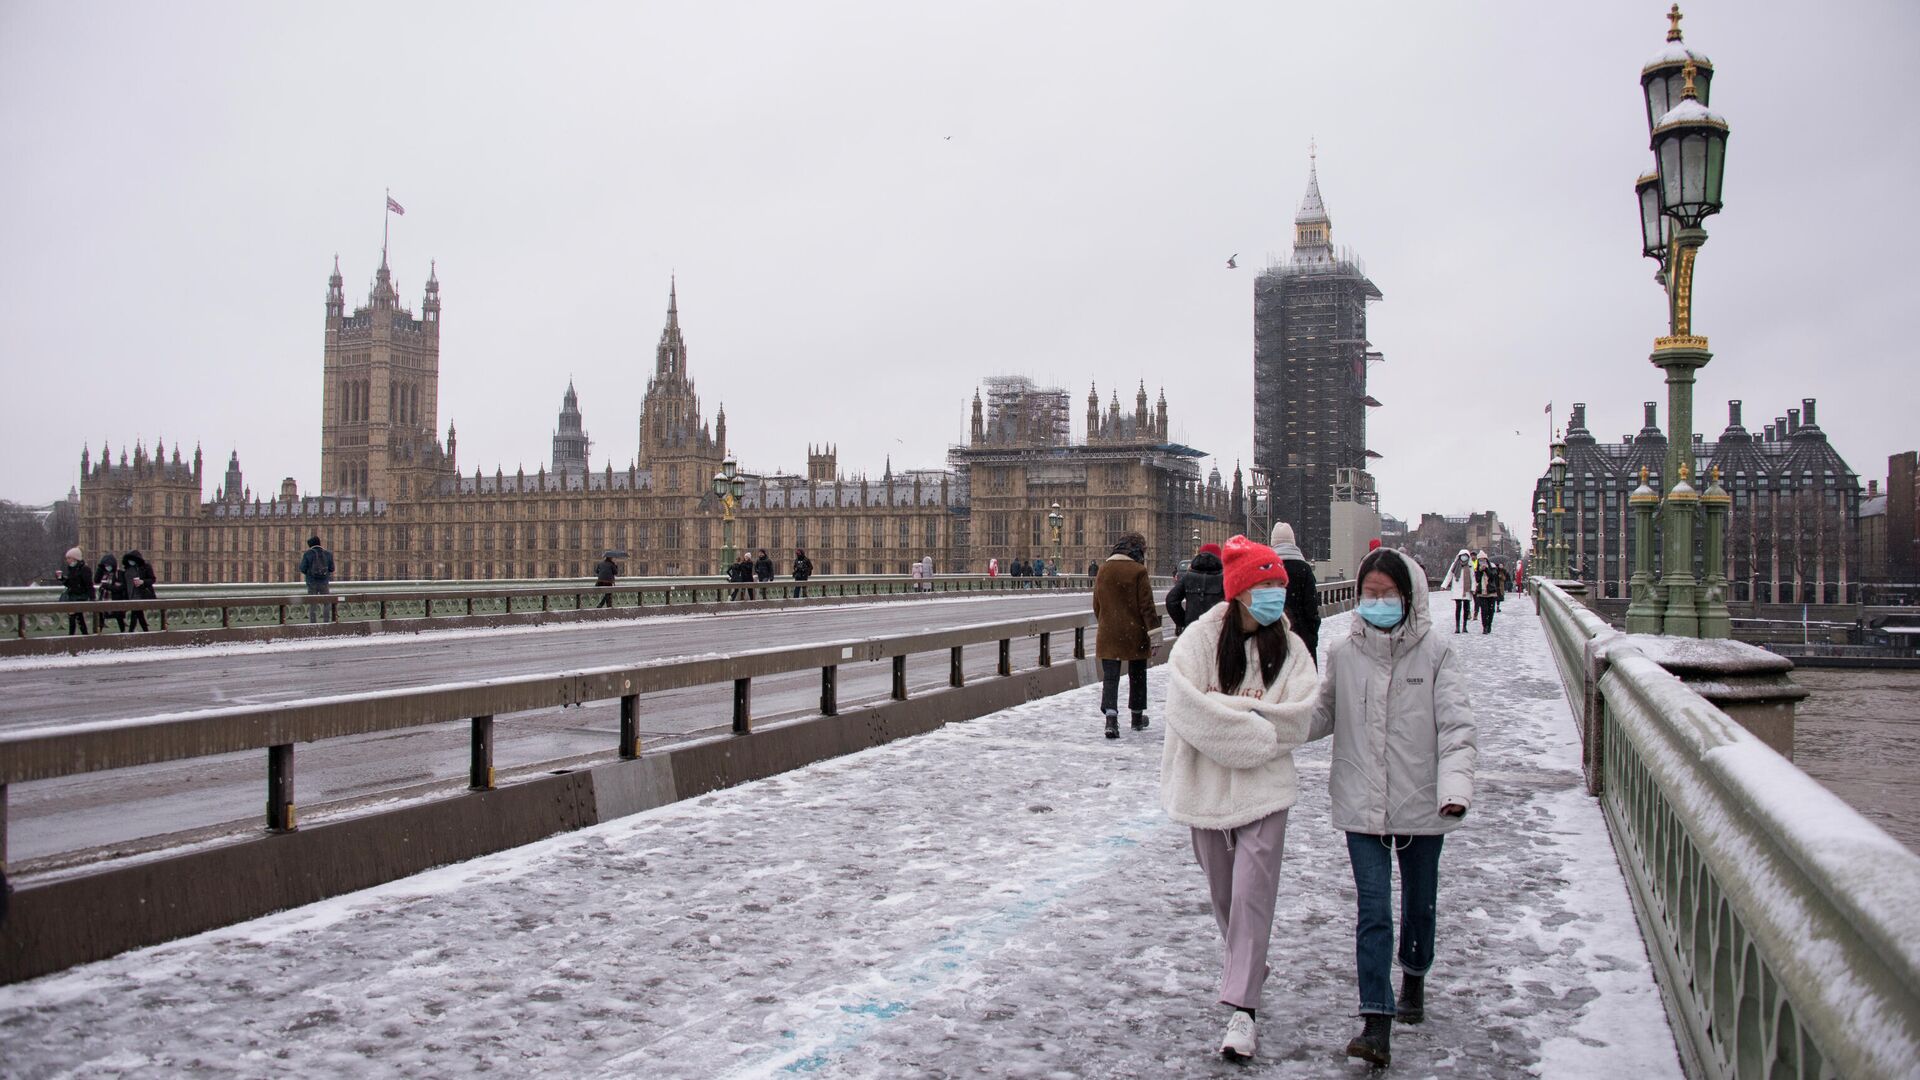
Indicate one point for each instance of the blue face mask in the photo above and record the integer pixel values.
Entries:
(1384, 612)
(1267, 604)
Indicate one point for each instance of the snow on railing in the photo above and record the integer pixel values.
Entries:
(1783, 921)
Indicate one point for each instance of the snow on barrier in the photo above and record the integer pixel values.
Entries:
(1783, 922)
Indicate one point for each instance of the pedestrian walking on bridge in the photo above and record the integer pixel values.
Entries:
(802, 570)
(604, 576)
(1394, 697)
(77, 584)
(1303, 592)
(1240, 698)
(1127, 616)
(109, 584)
(316, 566)
(1459, 585)
(140, 580)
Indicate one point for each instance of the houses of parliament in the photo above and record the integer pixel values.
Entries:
(394, 504)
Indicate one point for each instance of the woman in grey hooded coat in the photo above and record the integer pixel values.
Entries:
(1394, 697)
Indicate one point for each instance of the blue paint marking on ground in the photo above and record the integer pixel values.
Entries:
(847, 1025)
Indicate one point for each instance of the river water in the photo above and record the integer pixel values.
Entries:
(1858, 733)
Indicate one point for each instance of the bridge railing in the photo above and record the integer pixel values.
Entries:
(42, 617)
(1784, 923)
(49, 752)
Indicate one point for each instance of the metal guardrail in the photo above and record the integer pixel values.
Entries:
(1783, 922)
(50, 752)
(367, 602)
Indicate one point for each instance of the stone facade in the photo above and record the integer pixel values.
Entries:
(1794, 534)
(394, 504)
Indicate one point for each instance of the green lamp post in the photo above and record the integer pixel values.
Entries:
(1643, 611)
(1557, 561)
(1689, 143)
(728, 487)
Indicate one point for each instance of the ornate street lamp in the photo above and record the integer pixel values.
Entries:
(728, 487)
(1557, 561)
(1689, 144)
(1058, 521)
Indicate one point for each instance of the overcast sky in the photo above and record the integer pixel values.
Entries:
(872, 206)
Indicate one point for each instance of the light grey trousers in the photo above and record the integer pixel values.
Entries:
(1243, 878)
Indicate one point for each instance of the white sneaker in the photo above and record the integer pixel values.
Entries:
(1240, 1038)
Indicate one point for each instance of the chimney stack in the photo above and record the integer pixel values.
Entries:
(1733, 413)
(1806, 412)
(1793, 421)
(1652, 420)
(1873, 488)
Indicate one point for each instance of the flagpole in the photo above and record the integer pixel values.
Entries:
(386, 218)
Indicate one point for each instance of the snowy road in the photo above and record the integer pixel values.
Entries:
(1001, 898)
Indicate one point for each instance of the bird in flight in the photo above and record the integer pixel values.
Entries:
(946, 138)
(1231, 265)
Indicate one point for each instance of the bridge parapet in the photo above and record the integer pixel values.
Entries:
(1783, 921)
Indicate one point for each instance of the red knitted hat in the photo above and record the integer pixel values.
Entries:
(1210, 549)
(1248, 564)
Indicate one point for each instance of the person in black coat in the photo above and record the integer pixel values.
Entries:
(763, 567)
(109, 584)
(140, 582)
(1198, 588)
(77, 581)
(604, 576)
(1303, 592)
(802, 570)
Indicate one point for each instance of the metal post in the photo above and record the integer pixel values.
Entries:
(742, 706)
(280, 816)
(480, 768)
(1006, 656)
(629, 726)
(1046, 650)
(1079, 643)
(956, 671)
(900, 678)
(829, 690)
(3, 826)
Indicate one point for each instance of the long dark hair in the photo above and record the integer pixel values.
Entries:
(1231, 656)
(1395, 567)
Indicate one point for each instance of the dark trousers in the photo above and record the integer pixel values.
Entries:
(100, 619)
(1110, 685)
(1488, 605)
(315, 612)
(1462, 614)
(799, 590)
(607, 600)
(76, 623)
(137, 620)
(1373, 952)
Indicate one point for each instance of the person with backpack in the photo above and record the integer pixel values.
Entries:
(140, 580)
(802, 570)
(1240, 699)
(316, 566)
(604, 576)
(1197, 588)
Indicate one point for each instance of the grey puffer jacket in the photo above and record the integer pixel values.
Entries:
(1396, 705)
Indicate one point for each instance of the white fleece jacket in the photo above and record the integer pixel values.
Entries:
(1228, 758)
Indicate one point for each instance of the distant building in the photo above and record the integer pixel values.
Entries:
(1794, 535)
(394, 504)
(1020, 461)
(1310, 355)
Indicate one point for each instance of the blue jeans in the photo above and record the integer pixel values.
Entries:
(1373, 933)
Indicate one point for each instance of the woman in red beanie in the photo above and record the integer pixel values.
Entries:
(1240, 698)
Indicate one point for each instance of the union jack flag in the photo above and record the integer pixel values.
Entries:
(395, 207)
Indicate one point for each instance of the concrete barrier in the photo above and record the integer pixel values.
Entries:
(59, 923)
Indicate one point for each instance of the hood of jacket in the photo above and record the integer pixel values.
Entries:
(1207, 563)
(1415, 626)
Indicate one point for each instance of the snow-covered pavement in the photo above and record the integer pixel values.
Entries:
(999, 898)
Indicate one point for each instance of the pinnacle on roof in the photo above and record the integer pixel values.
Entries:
(1311, 207)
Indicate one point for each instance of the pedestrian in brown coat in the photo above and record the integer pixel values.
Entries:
(1123, 604)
